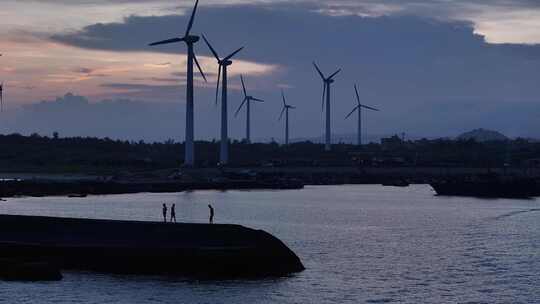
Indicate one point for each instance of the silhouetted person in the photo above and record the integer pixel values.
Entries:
(211, 214)
(164, 213)
(173, 213)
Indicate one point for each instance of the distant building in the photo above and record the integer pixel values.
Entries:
(391, 143)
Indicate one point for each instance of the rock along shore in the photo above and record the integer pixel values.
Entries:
(201, 250)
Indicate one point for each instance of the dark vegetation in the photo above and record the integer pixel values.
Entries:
(92, 155)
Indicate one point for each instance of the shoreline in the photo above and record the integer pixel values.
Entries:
(261, 178)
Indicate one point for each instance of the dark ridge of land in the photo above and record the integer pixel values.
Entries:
(80, 166)
(175, 180)
(201, 250)
(40, 154)
(79, 188)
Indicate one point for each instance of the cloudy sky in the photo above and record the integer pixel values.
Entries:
(434, 67)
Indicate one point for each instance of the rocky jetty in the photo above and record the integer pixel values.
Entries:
(490, 187)
(201, 250)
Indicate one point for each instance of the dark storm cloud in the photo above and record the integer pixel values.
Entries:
(420, 71)
(345, 3)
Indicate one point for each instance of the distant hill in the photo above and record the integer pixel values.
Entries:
(349, 138)
(482, 135)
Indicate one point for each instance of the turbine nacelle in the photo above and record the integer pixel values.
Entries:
(359, 106)
(247, 98)
(191, 39)
(225, 62)
(327, 81)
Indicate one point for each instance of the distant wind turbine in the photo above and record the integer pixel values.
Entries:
(222, 69)
(2, 96)
(359, 109)
(247, 101)
(285, 110)
(327, 81)
(189, 40)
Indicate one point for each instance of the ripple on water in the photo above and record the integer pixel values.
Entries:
(360, 244)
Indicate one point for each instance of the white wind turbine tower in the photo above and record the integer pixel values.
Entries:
(189, 40)
(222, 69)
(326, 95)
(247, 101)
(285, 110)
(359, 109)
(1, 95)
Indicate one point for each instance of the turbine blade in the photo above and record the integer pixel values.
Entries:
(199, 66)
(323, 96)
(211, 48)
(190, 24)
(232, 54)
(354, 110)
(257, 99)
(319, 71)
(291, 107)
(357, 95)
(240, 107)
(370, 108)
(332, 76)
(173, 40)
(283, 97)
(218, 80)
(243, 85)
(282, 111)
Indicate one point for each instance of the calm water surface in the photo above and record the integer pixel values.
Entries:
(360, 244)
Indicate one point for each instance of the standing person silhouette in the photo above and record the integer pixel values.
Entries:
(164, 213)
(173, 213)
(211, 214)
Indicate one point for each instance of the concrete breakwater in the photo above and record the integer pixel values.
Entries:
(201, 250)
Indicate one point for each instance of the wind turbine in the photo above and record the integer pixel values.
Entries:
(285, 110)
(1, 96)
(223, 64)
(327, 81)
(359, 109)
(247, 101)
(189, 40)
